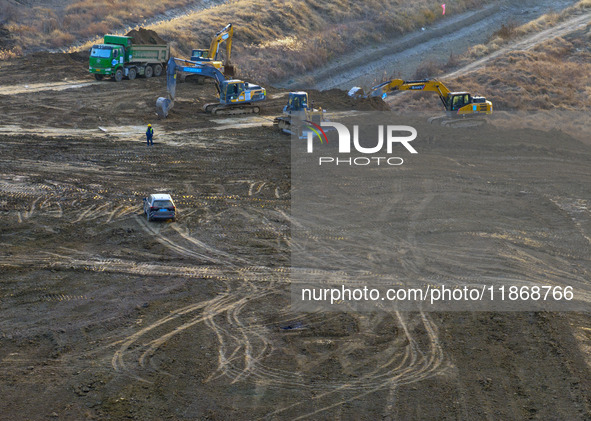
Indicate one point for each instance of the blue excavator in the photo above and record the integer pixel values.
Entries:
(235, 96)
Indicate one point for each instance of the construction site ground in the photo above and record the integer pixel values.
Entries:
(107, 316)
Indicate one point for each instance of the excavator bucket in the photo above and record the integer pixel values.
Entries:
(164, 105)
(229, 71)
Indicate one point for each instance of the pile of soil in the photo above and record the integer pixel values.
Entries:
(336, 99)
(330, 100)
(145, 36)
(48, 66)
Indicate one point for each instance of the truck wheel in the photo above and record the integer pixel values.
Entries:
(98, 77)
(148, 72)
(157, 70)
(118, 75)
(132, 73)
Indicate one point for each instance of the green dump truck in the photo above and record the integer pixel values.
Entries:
(119, 57)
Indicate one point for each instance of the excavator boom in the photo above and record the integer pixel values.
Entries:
(225, 34)
(210, 56)
(383, 89)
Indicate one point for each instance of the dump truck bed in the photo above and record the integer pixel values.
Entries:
(149, 53)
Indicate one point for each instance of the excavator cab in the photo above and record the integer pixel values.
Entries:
(298, 114)
(200, 55)
(463, 104)
(457, 100)
(231, 90)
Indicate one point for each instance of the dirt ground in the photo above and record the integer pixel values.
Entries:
(106, 316)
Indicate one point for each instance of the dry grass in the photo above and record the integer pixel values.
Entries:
(11, 53)
(546, 88)
(555, 76)
(428, 69)
(277, 39)
(274, 39)
(36, 26)
(509, 31)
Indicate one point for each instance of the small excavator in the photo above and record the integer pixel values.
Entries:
(236, 96)
(461, 108)
(211, 55)
(297, 113)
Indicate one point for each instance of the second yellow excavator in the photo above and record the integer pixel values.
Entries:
(211, 56)
(461, 108)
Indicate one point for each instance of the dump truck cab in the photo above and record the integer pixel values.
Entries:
(106, 58)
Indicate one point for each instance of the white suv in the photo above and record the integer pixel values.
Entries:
(159, 206)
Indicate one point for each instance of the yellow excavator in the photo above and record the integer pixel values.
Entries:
(461, 108)
(298, 115)
(211, 56)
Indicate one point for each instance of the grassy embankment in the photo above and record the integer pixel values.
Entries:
(556, 74)
(509, 31)
(273, 38)
(45, 27)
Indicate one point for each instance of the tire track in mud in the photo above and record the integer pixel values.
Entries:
(418, 364)
(423, 356)
(187, 251)
(243, 347)
(248, 345)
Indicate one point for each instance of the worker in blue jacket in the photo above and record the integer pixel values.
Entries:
(149, 135)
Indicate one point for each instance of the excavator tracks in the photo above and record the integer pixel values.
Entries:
(221, 109)
(457, 122)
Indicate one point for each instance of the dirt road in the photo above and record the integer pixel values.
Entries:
(562, 29)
